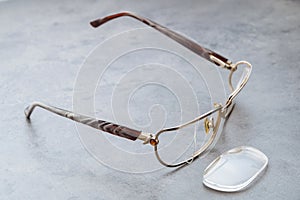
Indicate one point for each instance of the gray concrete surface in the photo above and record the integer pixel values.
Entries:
(43, 44)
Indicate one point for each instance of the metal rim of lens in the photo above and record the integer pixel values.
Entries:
(198, 152)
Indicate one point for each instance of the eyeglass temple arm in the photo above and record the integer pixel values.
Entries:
(115, 129)
(191, 45)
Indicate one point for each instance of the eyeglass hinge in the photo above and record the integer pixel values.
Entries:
(227, 65)
(146, 137)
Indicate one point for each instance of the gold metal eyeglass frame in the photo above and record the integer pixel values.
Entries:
(153, 139)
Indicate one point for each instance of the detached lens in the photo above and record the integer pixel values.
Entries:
(235, 169)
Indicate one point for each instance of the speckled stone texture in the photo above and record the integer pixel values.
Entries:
(43, 44)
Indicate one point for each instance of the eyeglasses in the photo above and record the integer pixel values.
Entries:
(164, 141)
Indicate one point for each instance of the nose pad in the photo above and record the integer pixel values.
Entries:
(208, 124)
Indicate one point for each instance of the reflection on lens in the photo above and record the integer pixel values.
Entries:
(181, 145)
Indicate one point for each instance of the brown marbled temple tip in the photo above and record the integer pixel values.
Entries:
(95, 23)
